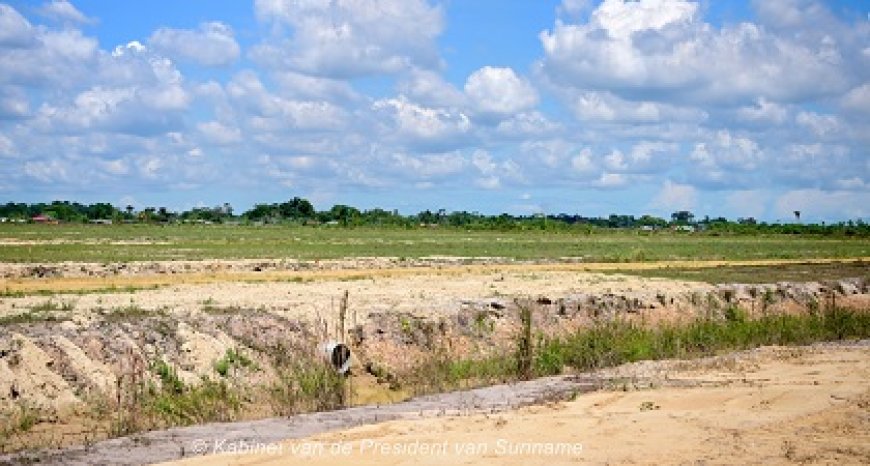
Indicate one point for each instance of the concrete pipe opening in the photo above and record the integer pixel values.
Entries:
(338, 354)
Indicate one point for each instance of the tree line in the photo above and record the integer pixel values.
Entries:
(300, 211)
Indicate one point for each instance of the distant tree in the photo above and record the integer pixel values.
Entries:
(296, 209)
(650, 221)
(147, 214)
(682, 217)
(346, 215)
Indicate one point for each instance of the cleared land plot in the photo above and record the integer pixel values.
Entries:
(767, 273)
(124, 243)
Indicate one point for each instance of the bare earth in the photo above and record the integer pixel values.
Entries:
(774, 405)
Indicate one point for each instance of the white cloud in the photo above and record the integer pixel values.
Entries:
(115, 167)
(499, 91)
(14, 103)
(140, 94)
(415, 123)
(132, 47)
(45, 171)
(349, 38)
(99, 109)
(747, 203)
(523, 125)
(492, 171)
(46, 57)
(583, 163)
(607, 107)
(219, 133)
(818, 164)
(726, 150)
(15, 30)
(662, 48)
(429, 165)
(306, 87)
(429, 88)
(610, 181)
(820, 125)
(763, 111)
(213, 44)
(650, 92)
(62, 10)
(270, 112)
(7, 147)
(815, 204)
(644, 157)
(673, 197)
(857, 99)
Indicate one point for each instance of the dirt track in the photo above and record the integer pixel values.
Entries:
(769, 406)
(774, 405)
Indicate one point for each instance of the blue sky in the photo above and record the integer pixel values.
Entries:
(724, 108)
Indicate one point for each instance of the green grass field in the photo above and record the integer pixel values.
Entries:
(122, 243)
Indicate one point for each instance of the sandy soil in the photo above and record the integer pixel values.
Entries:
(79, 276)
(427, 293)
(775, 405)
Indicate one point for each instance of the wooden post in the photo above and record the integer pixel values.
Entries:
(342, 315)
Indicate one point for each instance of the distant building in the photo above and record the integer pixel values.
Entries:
(101, 221)
(41, 219)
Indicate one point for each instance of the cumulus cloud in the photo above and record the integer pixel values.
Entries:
(15, 30)
(644, 157)
(45, 57)
(213, 44)
(583, 162)
(526, 124)
(607, 107)
(821, 125)
(349, 38)
(428, 166)
(492, 172)
(344, 93)
(642, 48)
(674, 196)
(816, 204)
(725, 160)
(219, 133)
(14, 103)
(430, 88)
(499, 91)
(747, 203)
(62, 10)
(417, 125)
(270, 112)
(857, 99)
(763, 111)
(306, 87)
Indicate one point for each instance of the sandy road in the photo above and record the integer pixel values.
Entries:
(776, 405)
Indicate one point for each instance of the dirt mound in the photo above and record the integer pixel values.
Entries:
(57, 358)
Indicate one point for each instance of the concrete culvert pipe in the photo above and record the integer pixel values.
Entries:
(338, 354)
